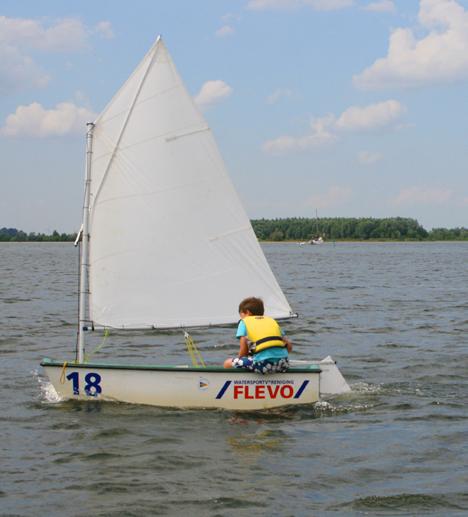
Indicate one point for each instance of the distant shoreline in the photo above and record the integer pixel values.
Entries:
(369, 241)
(296, 242)
(352, 229)
(301, 229)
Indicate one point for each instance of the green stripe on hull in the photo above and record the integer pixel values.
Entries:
(313, 368)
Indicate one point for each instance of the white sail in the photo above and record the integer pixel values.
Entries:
(170, 244)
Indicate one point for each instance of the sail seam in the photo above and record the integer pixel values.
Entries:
(152, 49)
(141, 101)
(152, 193)
(188, 133)
(155, 137)
(122, 131)
(231, 232)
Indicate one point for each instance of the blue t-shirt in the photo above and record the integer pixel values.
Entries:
(275, 353)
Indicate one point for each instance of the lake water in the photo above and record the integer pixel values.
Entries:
(394, 316)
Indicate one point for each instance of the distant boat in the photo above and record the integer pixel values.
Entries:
(165, 244)
(317, 240)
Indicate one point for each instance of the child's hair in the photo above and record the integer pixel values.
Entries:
(252, 304)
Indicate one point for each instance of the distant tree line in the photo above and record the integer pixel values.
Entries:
(348, 228)
(444, 234)
(14, 235)
(303, 229)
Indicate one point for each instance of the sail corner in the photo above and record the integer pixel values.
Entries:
(159, 42)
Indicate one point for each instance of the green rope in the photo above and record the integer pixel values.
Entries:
(197, 359)
(87, 357)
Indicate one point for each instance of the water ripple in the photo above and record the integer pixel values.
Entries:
(392, 315)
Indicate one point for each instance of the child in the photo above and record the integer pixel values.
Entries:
(263, 347)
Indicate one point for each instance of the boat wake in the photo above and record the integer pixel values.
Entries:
(364, 387)
(48, 395)
(360, 398)
(328, 408)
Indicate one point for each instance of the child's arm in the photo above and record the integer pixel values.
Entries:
(288, 344)
(286, 340)
(243, 346)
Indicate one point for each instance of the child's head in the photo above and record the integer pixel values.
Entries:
(252, 305)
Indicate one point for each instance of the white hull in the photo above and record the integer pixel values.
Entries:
(185, 387)
(313, 241)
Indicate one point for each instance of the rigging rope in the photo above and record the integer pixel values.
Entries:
(87, 357)
(62, 375)
(194, 353)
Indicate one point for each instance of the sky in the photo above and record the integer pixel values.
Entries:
(344, 108)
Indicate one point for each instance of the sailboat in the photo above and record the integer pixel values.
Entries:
(315, 240)
(318, 239)
(166, 244)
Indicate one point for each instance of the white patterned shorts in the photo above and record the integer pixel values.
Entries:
(248, 363)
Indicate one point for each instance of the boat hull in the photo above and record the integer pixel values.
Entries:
(184, 387)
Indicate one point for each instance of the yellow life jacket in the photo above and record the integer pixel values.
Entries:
(263, 332)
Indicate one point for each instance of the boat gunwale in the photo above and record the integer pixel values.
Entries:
(46, 362)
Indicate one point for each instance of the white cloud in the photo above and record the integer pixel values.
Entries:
(17, 69)
(440, 55)
(65, 35)
(104, 28)
(80, 96)
(423, 196)
(36, 121)
(262, 5)
(21, 36)
(230, 17)
(335, 196)
(320, 135)
(369, 157)
(383, 6)
(358, 118)
(225, 30)
(277, 95)
(212, 92)
(318, 5)
(325, 130)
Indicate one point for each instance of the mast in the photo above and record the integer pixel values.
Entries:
(84, 256)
